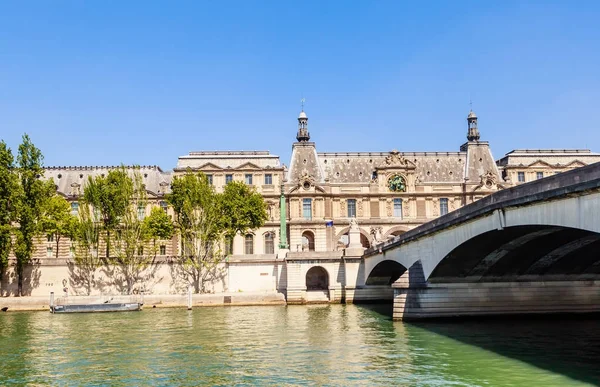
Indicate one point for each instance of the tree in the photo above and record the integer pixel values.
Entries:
(203, 218)
(158, 226)
(32, 196)
(242, 208)
(111, 198)
(87, 237)
(9, 185)
(57, 219)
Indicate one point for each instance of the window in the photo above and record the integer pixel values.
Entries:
(539, 175)
(352, 208)
(249, 244)
(141, 212)
(49, 253)
(74, 208)
(163, 205)
(269, 243)
(228, 179)
(140, 250)
(209, 178)
(398, 208)
(443, 206)
(72, 251)
(163, 250)
(268, 179)
(307, 208)
(228, 246)
(248, 178)
(521, 177)
(94, 252)
(50, 237)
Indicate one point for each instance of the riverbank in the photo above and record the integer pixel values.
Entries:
(30, 303)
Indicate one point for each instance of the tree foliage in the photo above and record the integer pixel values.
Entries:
(204, 218)
(58, 220)
(86, 236)
(9, 186)
(158, 226)
(32, 196)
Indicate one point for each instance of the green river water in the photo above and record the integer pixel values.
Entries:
(333, 345)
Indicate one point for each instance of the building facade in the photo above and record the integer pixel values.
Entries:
(326, 207)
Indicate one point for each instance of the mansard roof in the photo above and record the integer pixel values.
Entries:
(358, 167)
(69, 178)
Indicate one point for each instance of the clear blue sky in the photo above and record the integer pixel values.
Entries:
(142, 82)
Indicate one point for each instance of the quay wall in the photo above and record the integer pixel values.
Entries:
(495, 298)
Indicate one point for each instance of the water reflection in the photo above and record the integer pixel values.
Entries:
(332, 345)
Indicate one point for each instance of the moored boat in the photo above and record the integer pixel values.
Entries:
(91, 308)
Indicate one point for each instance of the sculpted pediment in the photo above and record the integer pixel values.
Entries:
(209, 166)
(395, 160)
(540, 163)
(575, 164)
(249, 165)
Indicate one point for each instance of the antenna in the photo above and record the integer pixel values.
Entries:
(302, 102)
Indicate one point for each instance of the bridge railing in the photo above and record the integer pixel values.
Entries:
(552, 187)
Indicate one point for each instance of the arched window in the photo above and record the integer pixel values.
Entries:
(269, 243)
(249, 244)
(308, 241)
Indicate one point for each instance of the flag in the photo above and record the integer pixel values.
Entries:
(329, 224)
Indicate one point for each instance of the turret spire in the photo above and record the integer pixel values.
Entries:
(473, 132)
(303, 134)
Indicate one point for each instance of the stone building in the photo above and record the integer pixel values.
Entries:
(522, 165)
(334, 205)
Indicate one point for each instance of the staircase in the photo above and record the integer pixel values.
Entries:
(317, 296)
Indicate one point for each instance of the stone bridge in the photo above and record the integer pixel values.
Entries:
(534, 248)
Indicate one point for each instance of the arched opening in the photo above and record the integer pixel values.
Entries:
(385, 273)
(317, 279)
(522, 252)
(308, 241)
(344, 241)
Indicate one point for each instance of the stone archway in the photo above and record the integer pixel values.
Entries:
(342, 238)
(395, 231)
(308, 241)
(317, 278)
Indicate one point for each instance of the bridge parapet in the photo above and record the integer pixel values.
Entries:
(549, 188)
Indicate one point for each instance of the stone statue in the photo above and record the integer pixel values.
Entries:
(376, 233)
(353, 224)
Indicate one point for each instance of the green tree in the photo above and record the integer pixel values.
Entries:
(9, 186)
(57, 219)
(32, 196)
(111, 198)
(130, 257)
(203, 218)
(242, 208)
(87, 238)
(158, 226)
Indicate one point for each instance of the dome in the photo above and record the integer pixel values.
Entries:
(471, 115)
(302, 115)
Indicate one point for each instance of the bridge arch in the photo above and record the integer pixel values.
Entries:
(385, 273)
(534, 219)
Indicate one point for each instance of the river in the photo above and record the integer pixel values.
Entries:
(337, 345)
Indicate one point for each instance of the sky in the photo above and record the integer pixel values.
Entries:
(143, 82)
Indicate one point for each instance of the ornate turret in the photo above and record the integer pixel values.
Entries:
(303, 134)
(473, 133)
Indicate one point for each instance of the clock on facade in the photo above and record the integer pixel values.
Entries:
(396, 184)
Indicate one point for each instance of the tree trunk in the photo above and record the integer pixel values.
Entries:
(19, 279)
(57, 240)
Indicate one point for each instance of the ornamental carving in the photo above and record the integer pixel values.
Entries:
(75, 189)
(388, 206)
(406, 208)
(377, 234)
(396, 183)
(436, 208)
(342, 207)
(396, 159)
(306, 180)
(488, 180)
(360, 208)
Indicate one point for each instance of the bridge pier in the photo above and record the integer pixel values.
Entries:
(442, 300)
